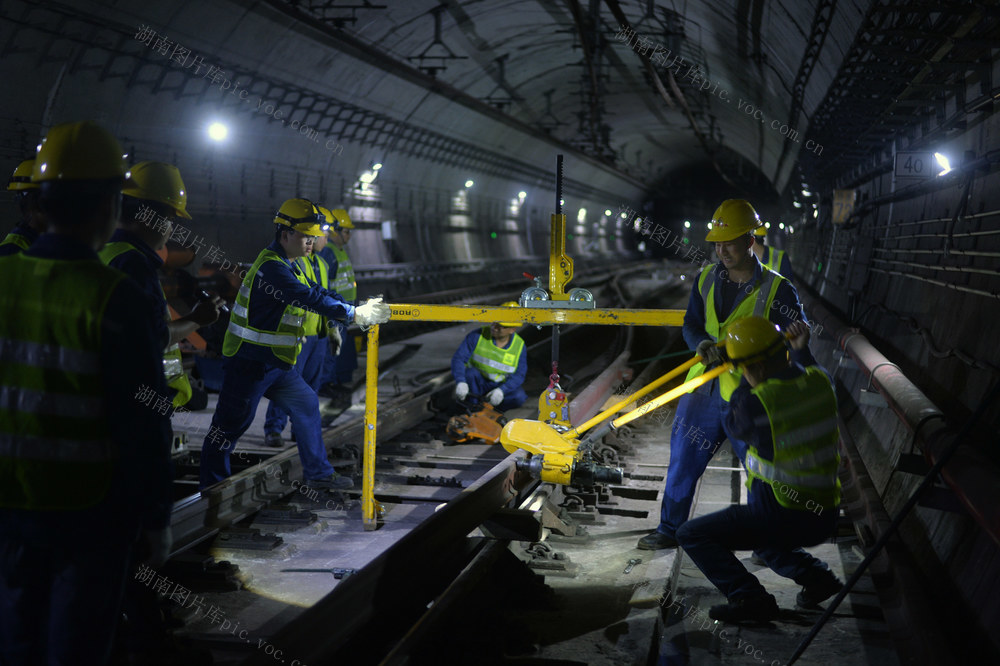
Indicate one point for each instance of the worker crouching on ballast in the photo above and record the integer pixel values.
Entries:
(492, 362)
(786, 411)
(262, 344)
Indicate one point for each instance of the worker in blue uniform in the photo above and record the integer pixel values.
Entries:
(263, 341)
(338, 369)
(32, 223)
(148, 207)
(319, 336)
(736, 287)
(84, 464)
(786, 411)
(770, 257)
(491, 363)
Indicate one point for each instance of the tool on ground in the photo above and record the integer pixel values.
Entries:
(631, 563)
(337, 572)
(483, 421)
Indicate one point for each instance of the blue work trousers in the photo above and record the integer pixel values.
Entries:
(310, 365)
(697, 432)
(775, 534)
(339, 369)
(61, 588)
(479, 385)
(244, 383)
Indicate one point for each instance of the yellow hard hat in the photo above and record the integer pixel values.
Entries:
(752, 339)
(506, 324)
(80, 151)
(341, 219)
(327, 215)
(159, 181)
(303, 216)
(20, 180)
(760, 231)
(732, 219)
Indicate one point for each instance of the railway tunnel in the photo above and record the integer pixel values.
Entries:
(477, 149)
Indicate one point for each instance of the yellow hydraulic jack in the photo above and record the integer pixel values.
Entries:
(561, 457)
(537, 306)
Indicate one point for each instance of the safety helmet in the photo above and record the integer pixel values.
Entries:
(341, 219)
(80, 151)
(327, 215)
(732, 219)
(20, 180)
(760, 231)
(303, 216)
(752, 339)
(159, 181)
(505, 324)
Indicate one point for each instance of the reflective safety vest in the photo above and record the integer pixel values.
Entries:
(173, 364)
(319, 273)
(19, 240)
(773, 259)
(756, 303)
(803, 416)
(56, 451)
(494, 363)
(284, 338)
(344, 282)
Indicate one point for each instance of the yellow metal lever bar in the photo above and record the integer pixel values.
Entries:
(369, 507)
(671, 395)
(632, 397)
(536, 315)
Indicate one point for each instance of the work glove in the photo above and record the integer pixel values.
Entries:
(461, 390)
(159, 543)
(335, 340)
(495, 397)
(372, 312)
(709, 352)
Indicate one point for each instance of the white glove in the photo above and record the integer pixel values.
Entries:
(709, 352)
(495, 397)
(336, 340)
(461, 390)
(372, 312)
(159, 543)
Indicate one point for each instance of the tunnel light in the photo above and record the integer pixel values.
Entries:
(624, 215)
(767, 225)
(607, 212)
(944, 162)
(218, 132)
(562, 202)
(469, 184)
(806, 193)
(521, 195)
(376, 166)
(791, 229)
(781, 225)
(815, 213)
(797, 204)
(368, 177)
(687, 224)
(581, 215)
(709, 226)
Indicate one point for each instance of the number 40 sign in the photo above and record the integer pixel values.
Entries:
(916, 165)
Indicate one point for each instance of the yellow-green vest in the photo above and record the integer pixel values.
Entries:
(285, 342)
(56, 451)
(494, 363)
(803, 417)
(773, 259)
(314, 323)
(344, 282)
(19, 240)
(173, 363)
(755, 303)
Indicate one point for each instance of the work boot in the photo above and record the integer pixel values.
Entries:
(813, 595)
(273, 439)
(333, 482)
(758, 608)
(656, 541)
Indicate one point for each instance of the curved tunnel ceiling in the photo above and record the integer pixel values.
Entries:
(766, 94)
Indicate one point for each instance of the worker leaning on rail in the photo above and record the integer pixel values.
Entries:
(84, 465)
(263, 342)
(338, 369)
(491, 363)
(133, 247)
(786, 412)
(317, 330)
(32, 223)
(736, 287)
(770, 257)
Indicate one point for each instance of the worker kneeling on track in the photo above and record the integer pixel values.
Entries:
(787, 413)
(263, 342)
(492, 362)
